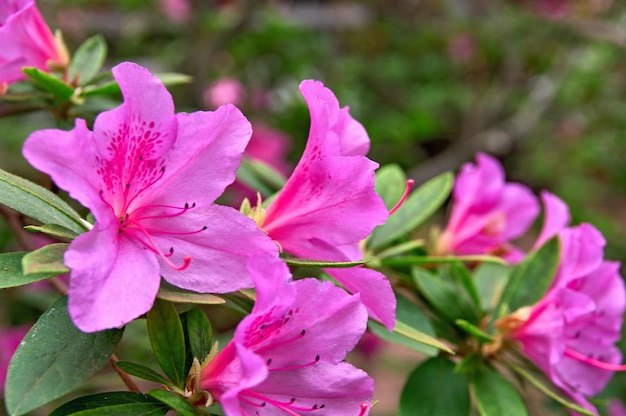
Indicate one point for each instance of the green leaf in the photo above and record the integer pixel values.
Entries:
(323, 263)
(548, 391)
(38, 203)
(415, 260)
(494, 395)
(248, 176)
(390, 184)
(412, 330)
(176, 295)
(88, 59)
(48, 259)
(462, 276)
(53, 229)
(418, 207)
(170, 79)
(445, 296)
(173, 400)
(141, 371)
(119, 403)
(434, 389)
(55, 358)
(490, 279)
(59, 89)
(108, 88)
(530, 279)
(11, 273)
(478, 333)
(168, 341)
(199, 333)
(270, 176)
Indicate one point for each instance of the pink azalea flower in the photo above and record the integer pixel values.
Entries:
(176, 10)
(328, 205)
(10, 338)
(149, 177)
(487, 212)
(287, 355)
(571, 332)
(26, 40)
(224, 91)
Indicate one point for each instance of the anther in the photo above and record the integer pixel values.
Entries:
(409, 185)
(269, 361)
(303, 332)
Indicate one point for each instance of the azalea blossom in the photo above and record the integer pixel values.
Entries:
(287, 356)
(150, 177)
(26, 41)
(570, 333)
(328, 205)
(10, 339)
(487, 212)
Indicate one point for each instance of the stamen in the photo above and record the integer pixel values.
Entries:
(144, 207)
(409, 185)
(296, 367)
(286, 407)
(593, 362)
(140, 191)
(157, 250)
(280, 344)
(364, 407)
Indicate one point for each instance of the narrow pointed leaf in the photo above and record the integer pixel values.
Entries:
(53, 229)
(434, 389)
(88, 59)
(478, 333)
(324, 264)
(108, 88)
(530, 279)
(59, 89)
(390, 184)
(176, 295)
(415, 260)
(54, 358)
(270, 176)
(199, 333)
(141, 371)
(37, 202)
(119, 403)
(419, 206)
(48, 259)
(12, 274)
(494, 395)
(173, 400)
(167, 339)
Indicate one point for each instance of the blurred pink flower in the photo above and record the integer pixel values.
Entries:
(570, 333)
(487, 212)
(616, 408)
(329, 205)
(461, 48)
(150, 177)
(26, 41)
(10, 338)
(176, 10)
(224, 91)
(287, 355)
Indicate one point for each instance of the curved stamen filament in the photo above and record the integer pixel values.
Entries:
(149, 230)
(593, 362)
(409, 185)
(280, 344)
(285, 407)
(296, 367)
(182, 210)
(154, 247)
(140, 191)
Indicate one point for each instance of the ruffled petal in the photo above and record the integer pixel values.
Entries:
(252, 371)
(556, 217)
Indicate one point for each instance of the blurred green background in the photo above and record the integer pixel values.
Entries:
(541, 84)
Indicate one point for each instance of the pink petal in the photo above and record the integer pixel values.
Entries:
(250, 371)
(520, 207)
(112, 280)
(219, 253)
(556, 217)
(374, 289)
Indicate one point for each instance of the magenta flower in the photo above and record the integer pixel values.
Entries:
(224, 91)
(10, 339)
(176, 10)
(571, 332)
(328, 205)
(26, 40)
(149, 177)
(287, 356)
(487, 213)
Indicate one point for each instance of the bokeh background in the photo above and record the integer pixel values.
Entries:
(541, 84)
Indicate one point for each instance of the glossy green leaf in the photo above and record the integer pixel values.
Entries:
(199, 333)
(494, 395)
(37, 202)
(118, 403)
(54, 358)
(170, 79)
(415, 260)
(88, 59)
(266, 173)
(177, 295)
(168, 341)
(47, 259)
(173, 400)
(445, 296)
(322, 263)
(412, 330)
(141, 371)
(473, 330)
(419, 206)
(52, 229)
(435, 389)
(530, 279)
(462, 276)
(490, 279)
(47, 82)
(390, 184)
(12, 274)
(108, 88)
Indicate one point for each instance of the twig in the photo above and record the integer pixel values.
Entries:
(130, 384)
